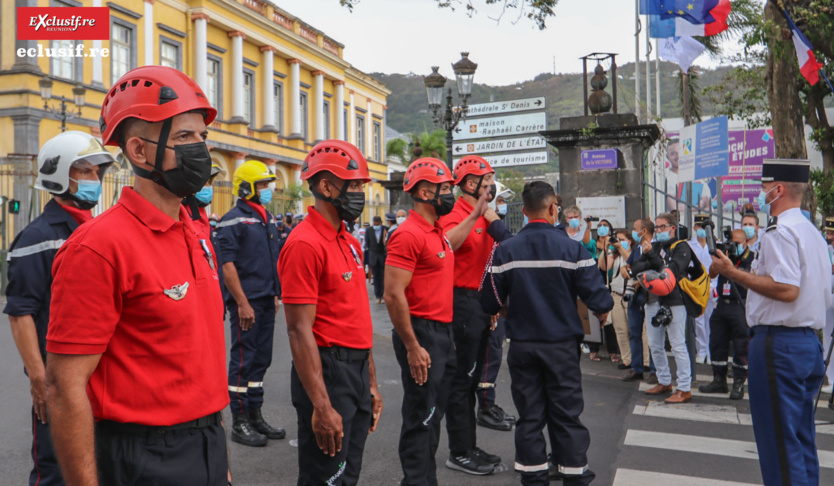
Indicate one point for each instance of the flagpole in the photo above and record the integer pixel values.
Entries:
(636, 58)
(648, 72)
(657, 77)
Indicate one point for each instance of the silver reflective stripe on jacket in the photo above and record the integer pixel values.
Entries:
(31, 250)
(543, 264)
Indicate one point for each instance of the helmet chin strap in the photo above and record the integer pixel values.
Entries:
(475, 194)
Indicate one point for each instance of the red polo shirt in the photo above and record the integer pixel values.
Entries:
(422, 248)
(471, 258)
(323, 267)
(136, 287)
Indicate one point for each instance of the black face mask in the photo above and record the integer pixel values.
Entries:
(442, 203)
(493, 191)
(349, 205)
(192, 172)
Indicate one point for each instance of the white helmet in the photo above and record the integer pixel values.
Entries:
(60, 152)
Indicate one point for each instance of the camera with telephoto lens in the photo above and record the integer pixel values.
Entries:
(591, 219)
(663, 317)
(629, 291)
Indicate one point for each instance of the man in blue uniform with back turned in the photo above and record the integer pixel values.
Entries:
(70, 167)
(249, 246)
(789, 290)
(535, 279)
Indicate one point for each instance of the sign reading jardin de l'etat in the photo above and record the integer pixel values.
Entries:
(506, 106)
(499, 145)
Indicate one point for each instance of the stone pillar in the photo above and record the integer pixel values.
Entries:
(201, 21)
(295, 98)
(269, 92)
(240, 158)
(25, 63)
(352, 120)
(319, 78)
(340, 107)
(237, 77)
(98, 73)
(149, 37)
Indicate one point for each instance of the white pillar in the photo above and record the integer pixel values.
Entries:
(369, 133)
(200, 50)
(340, 107)
(149, 37)
(269, 92)
(352, 120)
(237, 77)
(240, 158)
(319, 78)
(98, 74)
(295, 97)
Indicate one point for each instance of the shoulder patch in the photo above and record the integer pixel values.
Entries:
(771, 224)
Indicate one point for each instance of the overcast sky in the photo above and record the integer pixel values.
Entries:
(402, 36)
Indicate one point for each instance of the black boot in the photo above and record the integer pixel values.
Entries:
(738, 389)
(491, 418)
(718, 385)
(256, 418)
(243, 433)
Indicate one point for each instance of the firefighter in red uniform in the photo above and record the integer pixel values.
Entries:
(333, 380)
(419, 273)
(136, 361)
(471, 325)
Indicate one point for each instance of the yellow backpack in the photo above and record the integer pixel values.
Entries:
(695, 286)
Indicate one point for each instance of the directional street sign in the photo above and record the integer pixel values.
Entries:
(513, 160)
(501, 126)
(509, 106)
(499, 145)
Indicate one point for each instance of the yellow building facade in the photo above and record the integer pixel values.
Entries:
(279, 84)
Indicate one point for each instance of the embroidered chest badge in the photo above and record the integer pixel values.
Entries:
(177, 292)
(479, 230)
(347, 276)
(441, 255)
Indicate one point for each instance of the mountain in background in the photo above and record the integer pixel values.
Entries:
(408, 110)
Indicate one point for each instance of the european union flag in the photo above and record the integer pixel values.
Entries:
(649, 7)
(694, 11)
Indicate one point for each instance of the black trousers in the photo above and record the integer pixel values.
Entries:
(728, 323)
(470, 325)
(195, 456)
(547, 390)
(45, 471)
(424, 405)
(250, 355)
(348, 385)
(378, 270)
(492, 364)
(691, 348)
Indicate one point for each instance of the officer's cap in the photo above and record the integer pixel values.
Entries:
(702, 219)
(829, 224)
(786, 170)
(390, 217)
(279, 217)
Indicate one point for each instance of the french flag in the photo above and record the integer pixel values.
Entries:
(808, 65)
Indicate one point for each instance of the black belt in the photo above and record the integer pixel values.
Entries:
(775, 329)
(200, 423)
(346, 354)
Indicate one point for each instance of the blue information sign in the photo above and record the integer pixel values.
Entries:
(599, 159)
(712, 156)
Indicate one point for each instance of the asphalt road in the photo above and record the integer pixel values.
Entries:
(634, 439)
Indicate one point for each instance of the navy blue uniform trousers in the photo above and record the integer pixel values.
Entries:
(492, 364)
(250, 356)
(636, 320)
(46, 471)
(348, 385)
(424, 405)
(547, 390)
(728, 323)
(786, 370)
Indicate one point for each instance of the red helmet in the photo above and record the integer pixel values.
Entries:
(471, 165)
(658, 283)
(152, 94)
(426, 169)
(341, 159)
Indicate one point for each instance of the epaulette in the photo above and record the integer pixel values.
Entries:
(771, 224)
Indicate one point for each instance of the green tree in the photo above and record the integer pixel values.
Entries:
(397, 147)
(513, 179)
(432, 144)
(536, 10)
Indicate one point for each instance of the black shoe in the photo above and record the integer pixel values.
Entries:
(623, 366)
(485, 457)
(505, 416)
(718, 385)
(468, 464)
(652, 379)
(489, 417)
(738, 390)
(256, 419)
(243, 433)
(632, 376)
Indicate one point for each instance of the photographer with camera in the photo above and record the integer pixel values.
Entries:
(609, 336)
(662, 265)
(728, 322)
(612, 261)
(642, 230)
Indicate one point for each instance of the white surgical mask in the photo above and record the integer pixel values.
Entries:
(401, 220)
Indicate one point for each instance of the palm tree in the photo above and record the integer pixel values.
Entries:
(432, 143)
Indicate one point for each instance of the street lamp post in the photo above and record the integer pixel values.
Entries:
(435, 83)
(78, 94)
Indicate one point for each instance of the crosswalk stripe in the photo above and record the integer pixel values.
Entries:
(630, 477)
(706, 445)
